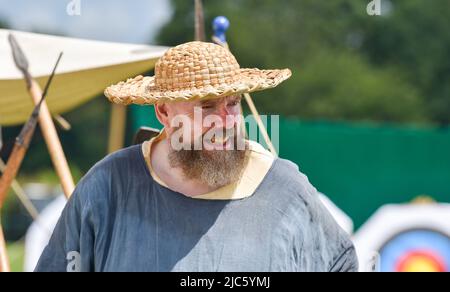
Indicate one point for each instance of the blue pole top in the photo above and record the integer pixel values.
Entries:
(220, 27)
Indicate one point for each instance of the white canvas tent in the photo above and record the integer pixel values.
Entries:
(86, 69)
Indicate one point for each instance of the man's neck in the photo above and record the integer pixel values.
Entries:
(173, 177)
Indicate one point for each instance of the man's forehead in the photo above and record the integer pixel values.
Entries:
(216, 100)
(194, 103)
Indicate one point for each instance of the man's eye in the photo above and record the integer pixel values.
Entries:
(207, 107)
(234, 103)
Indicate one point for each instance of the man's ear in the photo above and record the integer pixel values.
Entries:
(161, 110)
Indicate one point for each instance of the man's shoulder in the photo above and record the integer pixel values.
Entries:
(127, 155)
(118, 161)
(291, 191)
(296, 189)
(279, 173)
(287, 174)
(107, 172)
(299, 200)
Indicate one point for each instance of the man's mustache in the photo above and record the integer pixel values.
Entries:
(225, 134)
(214, 137)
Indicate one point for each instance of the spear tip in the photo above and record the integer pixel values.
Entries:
(19, 57)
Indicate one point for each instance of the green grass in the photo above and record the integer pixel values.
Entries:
(16, 252)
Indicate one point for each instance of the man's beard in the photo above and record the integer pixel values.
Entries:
(215, 168)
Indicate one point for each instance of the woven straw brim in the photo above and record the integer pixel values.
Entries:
(143, 91)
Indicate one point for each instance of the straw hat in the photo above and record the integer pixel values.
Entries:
(195, 70)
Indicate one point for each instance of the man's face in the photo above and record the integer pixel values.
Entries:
(206, 139)
(213, 124)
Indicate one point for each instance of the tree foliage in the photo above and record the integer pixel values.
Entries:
(347, 65)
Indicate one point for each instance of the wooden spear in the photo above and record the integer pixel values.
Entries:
(45, 121)
(15, 161)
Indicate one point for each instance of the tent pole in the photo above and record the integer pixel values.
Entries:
(4, 261)
(117, 127)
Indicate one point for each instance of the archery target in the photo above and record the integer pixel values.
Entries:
(405, 238)
(416, 251)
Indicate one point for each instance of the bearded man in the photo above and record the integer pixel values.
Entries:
(200, 196)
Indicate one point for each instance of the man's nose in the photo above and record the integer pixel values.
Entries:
(223, 112)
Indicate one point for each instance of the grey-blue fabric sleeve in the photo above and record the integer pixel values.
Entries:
(72, 243)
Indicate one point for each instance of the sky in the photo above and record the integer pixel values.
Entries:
(135, 21)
